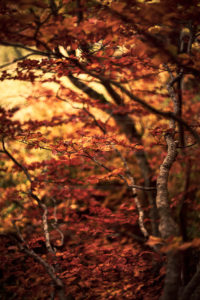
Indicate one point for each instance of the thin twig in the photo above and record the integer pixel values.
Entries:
(16, 60)
(16, 162)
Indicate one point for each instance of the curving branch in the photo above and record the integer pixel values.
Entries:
(15, 161)
(32, 50)
(35, 197)
(57, 282)
(167, 225)
(166, 115)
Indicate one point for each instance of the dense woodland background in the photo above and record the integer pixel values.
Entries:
(99, 129)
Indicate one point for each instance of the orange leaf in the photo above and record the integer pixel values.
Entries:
(185, 246)
(116, 171)
(118, 6)
(93, 180)
(154, 240)
(139, 147)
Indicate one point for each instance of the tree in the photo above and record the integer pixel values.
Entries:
(120, 150)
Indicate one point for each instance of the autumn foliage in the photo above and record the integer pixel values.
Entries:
(100, 165)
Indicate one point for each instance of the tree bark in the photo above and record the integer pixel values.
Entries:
(167, 225)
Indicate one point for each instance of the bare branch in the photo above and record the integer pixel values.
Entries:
(95, 120)
(32, 50)
(16, 162)
(16, 60)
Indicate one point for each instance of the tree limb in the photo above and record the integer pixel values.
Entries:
(35, 197)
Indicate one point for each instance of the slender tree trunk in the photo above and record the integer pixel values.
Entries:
(172, 278)
(167, 225)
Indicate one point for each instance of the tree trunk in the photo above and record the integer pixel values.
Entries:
(167, 226)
